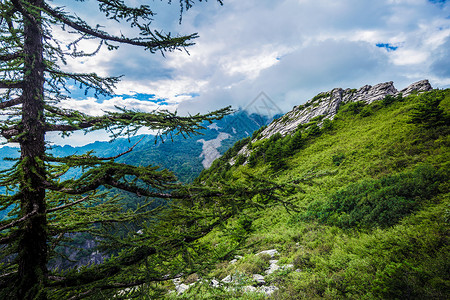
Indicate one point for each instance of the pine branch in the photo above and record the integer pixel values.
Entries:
(11, 84)
(162, 120)
(11, 102)
(117, 10)
(140, 191)
(10, 56)
(10, 132)
(68, 205)
(156, 42)
(18, 221)
(120, 154)
(103, 86)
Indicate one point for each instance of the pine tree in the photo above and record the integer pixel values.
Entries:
(45, 206)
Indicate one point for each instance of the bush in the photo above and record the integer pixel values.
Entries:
(352, 107)
(366, 111)
(338, 158)
(240, 159)
(313, 131)
(389, 99)
(327, 124)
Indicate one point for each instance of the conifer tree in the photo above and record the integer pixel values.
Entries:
(45, 207)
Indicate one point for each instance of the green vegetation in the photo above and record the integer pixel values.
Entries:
(378, 202)
(373, 220)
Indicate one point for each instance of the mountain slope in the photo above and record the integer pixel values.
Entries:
(371, 205)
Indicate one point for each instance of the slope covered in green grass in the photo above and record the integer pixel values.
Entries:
(368, 216)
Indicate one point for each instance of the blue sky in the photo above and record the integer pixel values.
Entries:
(289, 49)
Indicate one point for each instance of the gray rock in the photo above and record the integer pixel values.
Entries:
(273, 267)
(259, 279)
(182, 288)
(288, 266)
(419, 86)
(248, 288)
(215, 283)
(268, 290)
(227, 279)
(271, 252)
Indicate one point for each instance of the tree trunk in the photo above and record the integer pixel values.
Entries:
(32, 251)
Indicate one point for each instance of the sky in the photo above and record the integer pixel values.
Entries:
(287, 50)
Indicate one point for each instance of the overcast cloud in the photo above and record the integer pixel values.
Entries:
(289, 49)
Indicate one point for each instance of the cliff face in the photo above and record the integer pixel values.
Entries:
(327, 103)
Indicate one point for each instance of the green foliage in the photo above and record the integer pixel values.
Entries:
(428, 113)
(338, 158)
(389, 99)
(366, 111)
(352, 107)
(382, 202)
(240, 159)
(327, 124)
(313, 131)
(296, 142)
(257, 134)
(50, 209)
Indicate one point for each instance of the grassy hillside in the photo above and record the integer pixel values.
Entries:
(371, 206)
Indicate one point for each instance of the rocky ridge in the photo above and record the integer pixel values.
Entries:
(327, 104)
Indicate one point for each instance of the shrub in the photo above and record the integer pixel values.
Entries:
(313, 131)
(338, 158)
(240, 159)
(327, 124)
(382, 202)
(366, 111)
(352, 107)
(389, 99)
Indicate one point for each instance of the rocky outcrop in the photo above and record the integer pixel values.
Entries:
(327, 104)
(419, 86)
